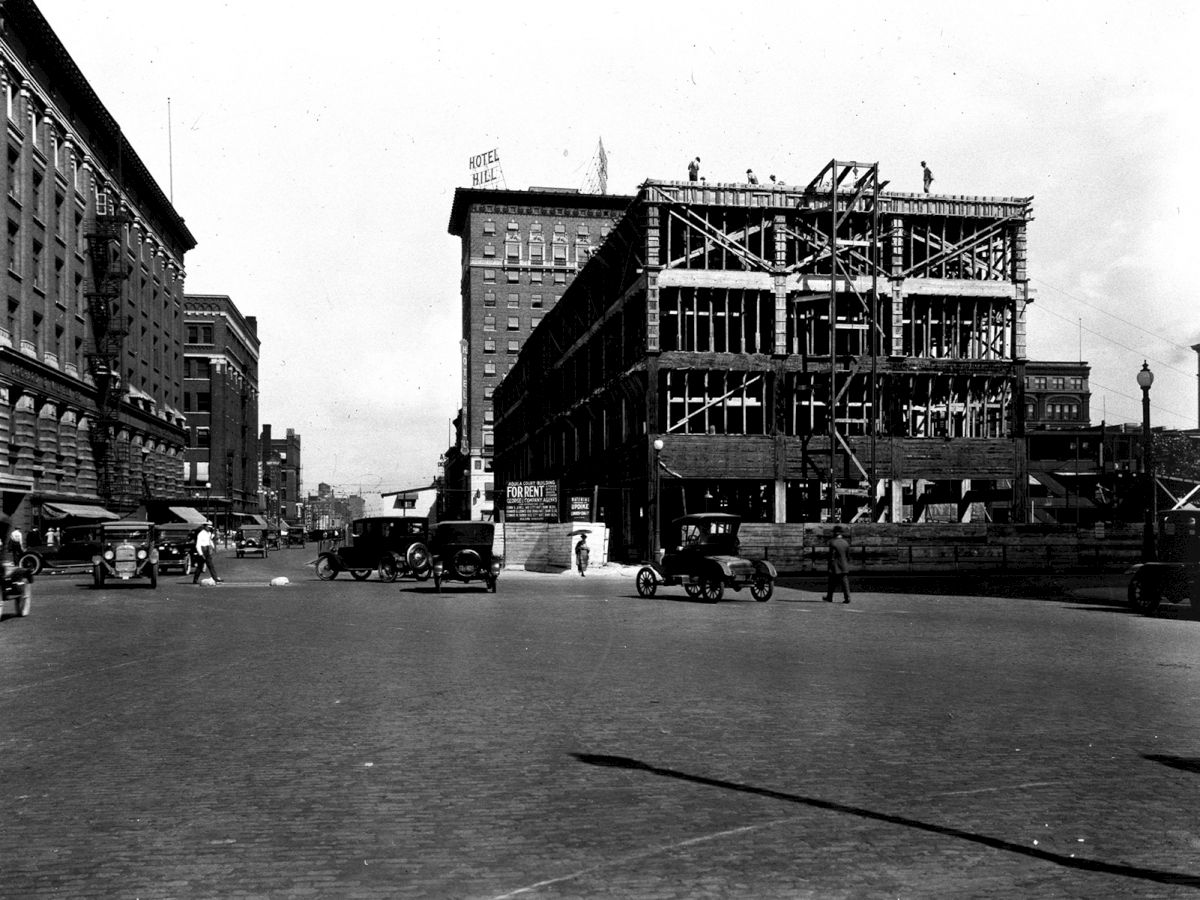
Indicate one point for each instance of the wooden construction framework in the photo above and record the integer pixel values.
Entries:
(820, 335)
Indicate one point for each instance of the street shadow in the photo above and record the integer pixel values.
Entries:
(1183, 763)
(1069, 862)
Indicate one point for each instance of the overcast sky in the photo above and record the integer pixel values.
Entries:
(314, 150)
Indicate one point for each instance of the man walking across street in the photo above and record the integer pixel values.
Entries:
(204, 553)
(839, 565)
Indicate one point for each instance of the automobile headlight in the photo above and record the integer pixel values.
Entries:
(141, 554)
(108, 554)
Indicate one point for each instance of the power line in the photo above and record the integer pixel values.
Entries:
(1099, 309)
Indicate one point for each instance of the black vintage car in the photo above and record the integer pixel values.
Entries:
(707, 560)
(389, 545)
(125, 550)
(296, 536)
(462, 551)
(1174, 575)
(252, 540)
(176, 543)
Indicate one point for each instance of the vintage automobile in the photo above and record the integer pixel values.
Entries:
(252, 540)
(296, 536)
(389, 545)
(126, 550)
(462, 551)
(176, 543)
(706, 562)
(1174, 574)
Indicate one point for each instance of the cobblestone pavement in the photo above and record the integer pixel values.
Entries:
(566, 738)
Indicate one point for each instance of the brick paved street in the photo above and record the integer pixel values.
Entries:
(565, 738)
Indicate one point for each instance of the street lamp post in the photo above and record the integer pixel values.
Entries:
(657, 540)
(1145, 378)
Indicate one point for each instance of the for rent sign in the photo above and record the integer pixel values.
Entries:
(531, 501)
(485, 168)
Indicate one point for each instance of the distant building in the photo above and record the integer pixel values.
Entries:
(220, 400)
(91, 335)
(520, 251)
(1057, 395)
(418, 502)
(281, 480)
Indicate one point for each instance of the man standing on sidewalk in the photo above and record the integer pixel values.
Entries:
(204, 553)
(839, 565)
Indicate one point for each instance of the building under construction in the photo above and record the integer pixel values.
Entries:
(803, 353)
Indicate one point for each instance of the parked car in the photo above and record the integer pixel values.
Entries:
(388, 545)
(176, 543)
(126, 550)
(252, 540)
(707, 560)
(462, 551)
(1174, 575)
(296, 536)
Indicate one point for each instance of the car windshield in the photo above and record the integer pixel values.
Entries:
(132, 534)
(464, 533)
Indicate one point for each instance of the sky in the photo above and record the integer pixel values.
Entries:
(314, 149)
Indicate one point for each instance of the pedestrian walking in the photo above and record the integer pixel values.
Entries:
(204, 553)
(694, 169)
(926, 176)
(582, 554)
(16, 542)
(839, 565)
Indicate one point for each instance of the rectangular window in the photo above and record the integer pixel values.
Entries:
(512, 251)
(514, 346)
(489, 227)
(193, 334)
(514, 301)
(203, 401)
(489, 250)
(560, 228)
(488, 391)
(535, 226)
(514, 323)
(14, 183)
(582, 230)
(560, 277)
(536, 301)
(513, 276)
(489, 345)
(489, 439)
(1039, 383)
(489, 298)
(535, 277)
(38, 181)
(489, 416)
(203, 437)
(489, 368)
(14, 245)
(537, 254)
(489, 276)
(535, 322)
(512, 225)
(59, 218)
(39, 269)
(489, 323)
(560, 254)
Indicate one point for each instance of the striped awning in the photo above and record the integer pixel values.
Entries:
(189, 515)
(76, 511)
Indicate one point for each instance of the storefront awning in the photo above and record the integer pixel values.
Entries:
(189, 515)
(259, 520)
(76, 511)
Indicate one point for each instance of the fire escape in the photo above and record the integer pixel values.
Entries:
(104, 235)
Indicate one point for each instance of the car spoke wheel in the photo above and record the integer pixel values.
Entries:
(360, 574)
(762, 590)
(30, 561)
(326, 570)
(711, 590)
(388, 570)
(187, 566)
(646, 583)
(417, 558)
(693, 589)
(1144, 595)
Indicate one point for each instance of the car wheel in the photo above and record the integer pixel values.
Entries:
(417, 558)
(153, 573)
(326, 570)
(388, 570)
(360, 574)
(467, 563)
(646, 583)
(24, 599)
(693, 589)
(711, 591)
(30, 561)
(1144, 595)
(762, 590)
(187, 566)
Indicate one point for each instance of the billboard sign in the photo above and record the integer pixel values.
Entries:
(485, 168)
(531, 501)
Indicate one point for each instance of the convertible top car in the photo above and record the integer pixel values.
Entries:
(707, 560)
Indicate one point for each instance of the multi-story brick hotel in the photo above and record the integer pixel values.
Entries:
(91, 340)
(520, 251)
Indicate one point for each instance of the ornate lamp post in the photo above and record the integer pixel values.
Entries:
(1145, 378)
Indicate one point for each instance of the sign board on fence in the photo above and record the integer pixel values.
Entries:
(531, 501)
(581, 508)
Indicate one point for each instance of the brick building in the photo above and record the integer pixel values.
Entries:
(834, 351)
(1057, 395)
(281, 479)
(91, 338)
(520, 251)
(220, 400)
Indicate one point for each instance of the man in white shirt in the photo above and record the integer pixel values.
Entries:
(204, 553)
